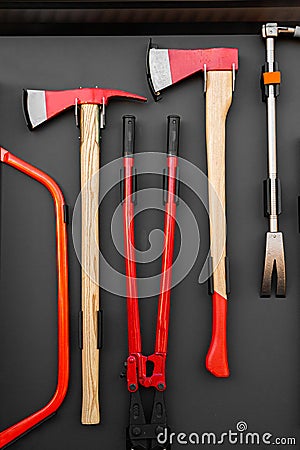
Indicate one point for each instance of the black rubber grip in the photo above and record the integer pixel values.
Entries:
(128, 135)
(173, 135)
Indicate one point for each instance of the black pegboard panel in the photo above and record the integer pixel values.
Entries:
(263, 335)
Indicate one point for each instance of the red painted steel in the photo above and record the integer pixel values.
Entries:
(216, 359)
(133, 316)
(58, 101)
(15, 431)
(167, 260)
(137, 362)
(184, 63)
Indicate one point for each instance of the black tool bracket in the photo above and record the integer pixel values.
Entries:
(211, 277)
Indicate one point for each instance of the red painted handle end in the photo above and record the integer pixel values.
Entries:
(216, 359)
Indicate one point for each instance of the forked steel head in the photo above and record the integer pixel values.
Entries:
(274, 264)
(39, 106)
(168, 66)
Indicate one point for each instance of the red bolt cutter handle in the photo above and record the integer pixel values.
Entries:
(15, 431)
(133, 316)
(167, 259)
(137, 362)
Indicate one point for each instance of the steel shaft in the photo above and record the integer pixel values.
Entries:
(272, 145)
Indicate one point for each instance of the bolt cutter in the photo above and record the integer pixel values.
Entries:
(142, 435)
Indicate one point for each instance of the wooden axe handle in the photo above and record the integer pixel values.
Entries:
(90, 163)
(218, 101)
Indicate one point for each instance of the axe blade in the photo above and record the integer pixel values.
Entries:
(169, 66)
(34, 104)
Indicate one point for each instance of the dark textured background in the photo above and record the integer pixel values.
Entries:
(263, 335)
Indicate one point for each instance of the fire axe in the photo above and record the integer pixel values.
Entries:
(166, 67)
(39, 106)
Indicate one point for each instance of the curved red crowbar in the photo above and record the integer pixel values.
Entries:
(17, 430)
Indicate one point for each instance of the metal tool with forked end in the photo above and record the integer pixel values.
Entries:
(274, 255)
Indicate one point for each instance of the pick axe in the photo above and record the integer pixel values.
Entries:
(39, 106)
(165, 68)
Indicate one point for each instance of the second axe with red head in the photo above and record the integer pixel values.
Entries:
(165, 68)
(39, 106)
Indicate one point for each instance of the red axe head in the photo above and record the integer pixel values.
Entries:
(167, 66)
(40, 106)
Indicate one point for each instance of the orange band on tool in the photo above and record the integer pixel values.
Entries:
(272, 77)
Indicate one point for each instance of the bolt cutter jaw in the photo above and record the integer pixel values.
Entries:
(142, 435)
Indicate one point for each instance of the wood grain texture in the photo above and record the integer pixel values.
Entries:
(90, 163)
(218, 101)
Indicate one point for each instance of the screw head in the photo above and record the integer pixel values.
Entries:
(161, 386)
(159, 429)
(136, 431)
(132, 387)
